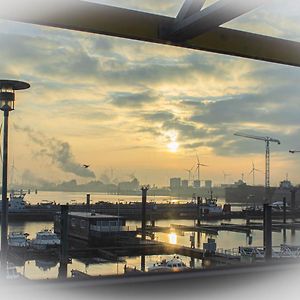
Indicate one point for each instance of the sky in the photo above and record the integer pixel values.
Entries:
(129, 108)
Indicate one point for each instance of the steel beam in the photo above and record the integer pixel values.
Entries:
(210, 18)
(189, 8)
(125, 23)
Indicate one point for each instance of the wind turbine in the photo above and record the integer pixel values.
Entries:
(189, 171)
(198, 164)
(267, 140)
(253, 170)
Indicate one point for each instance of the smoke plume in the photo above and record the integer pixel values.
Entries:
(58, 151)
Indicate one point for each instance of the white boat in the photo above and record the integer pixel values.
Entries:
(18, 240)
(173, 265)
(16, 201)
(45, 239)
(278, 205)
(209, 206)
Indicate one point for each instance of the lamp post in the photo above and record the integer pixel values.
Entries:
(7, 104)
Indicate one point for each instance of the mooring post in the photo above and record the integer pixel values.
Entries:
(144, 202)
(143, 263)
(199, 210)
(88, 201)
(64, 212)
(268, 231)
(284, 210)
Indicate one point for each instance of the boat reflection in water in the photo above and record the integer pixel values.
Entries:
(45, 265)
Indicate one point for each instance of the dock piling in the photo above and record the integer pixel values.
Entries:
(64, 241)
(268, 231)
(144, 203)
(284, 210)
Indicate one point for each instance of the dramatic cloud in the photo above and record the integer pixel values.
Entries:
(121, 102)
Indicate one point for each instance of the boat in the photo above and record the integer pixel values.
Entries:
(278, 205)
(173, 265)
(210, 204)
(45, 239)
(18, 240)
(131, 270)
(16, 201)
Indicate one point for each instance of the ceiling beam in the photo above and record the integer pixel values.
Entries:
(188, 8)
(209, 18)
(113, 21)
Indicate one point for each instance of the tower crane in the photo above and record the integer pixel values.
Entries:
(267, 140)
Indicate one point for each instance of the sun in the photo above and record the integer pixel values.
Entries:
(173, 146)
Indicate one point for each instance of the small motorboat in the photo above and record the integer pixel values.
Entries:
(18, 240)
(45, 239)
(173, 265)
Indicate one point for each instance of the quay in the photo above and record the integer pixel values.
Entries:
(133, 211)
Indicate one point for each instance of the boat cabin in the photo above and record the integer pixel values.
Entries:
(93, 227)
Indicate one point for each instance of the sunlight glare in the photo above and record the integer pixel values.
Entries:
(173, 146)
(172, 238)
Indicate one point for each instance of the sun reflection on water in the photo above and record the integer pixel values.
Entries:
(172, 238)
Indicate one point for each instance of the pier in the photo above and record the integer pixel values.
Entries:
(214, 229)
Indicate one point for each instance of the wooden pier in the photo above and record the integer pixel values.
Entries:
(214, 229)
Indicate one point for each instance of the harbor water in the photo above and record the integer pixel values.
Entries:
(225, 240)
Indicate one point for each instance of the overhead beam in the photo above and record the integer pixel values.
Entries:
(209, 18)
(108, 20)
(188, 8)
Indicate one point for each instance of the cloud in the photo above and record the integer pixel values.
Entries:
(132, 99)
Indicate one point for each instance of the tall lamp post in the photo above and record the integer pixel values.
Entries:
(7, 103)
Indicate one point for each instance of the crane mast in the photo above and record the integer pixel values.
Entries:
(267, 140)
(267, 172)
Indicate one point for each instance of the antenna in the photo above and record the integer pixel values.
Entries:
(253, 170)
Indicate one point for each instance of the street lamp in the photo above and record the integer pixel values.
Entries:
(7, 103)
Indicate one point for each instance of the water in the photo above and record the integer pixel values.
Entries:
(45, 269)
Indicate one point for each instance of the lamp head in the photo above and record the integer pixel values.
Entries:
(7, 93)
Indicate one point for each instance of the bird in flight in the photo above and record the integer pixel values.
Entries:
(86, 166)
